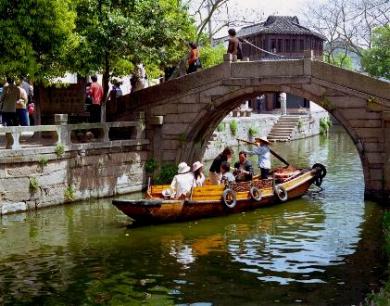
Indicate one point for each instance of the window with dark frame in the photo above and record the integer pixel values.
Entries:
(287, 44)
(294, 45)
(280, 45)
(273, 44)
(301, 45)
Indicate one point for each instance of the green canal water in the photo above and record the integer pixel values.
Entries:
(323, 249)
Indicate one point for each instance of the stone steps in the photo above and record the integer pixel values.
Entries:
(284, 128)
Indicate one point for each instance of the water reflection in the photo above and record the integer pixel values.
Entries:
(321, 249)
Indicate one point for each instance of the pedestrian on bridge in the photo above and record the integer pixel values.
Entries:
(96, 93)
(11, 94)
(234, 47)
(193, 58)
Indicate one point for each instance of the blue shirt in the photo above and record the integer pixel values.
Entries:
(264, 156)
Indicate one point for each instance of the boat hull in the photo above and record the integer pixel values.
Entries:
(153, 211)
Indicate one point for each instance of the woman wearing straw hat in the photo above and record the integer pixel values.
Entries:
(263, 154)
(197, 170)
(182, 183)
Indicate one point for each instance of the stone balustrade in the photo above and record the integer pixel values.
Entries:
(75, 136)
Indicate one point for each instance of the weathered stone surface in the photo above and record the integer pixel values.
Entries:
(55, 177)
(169, 155)
(180, 118)
(91, 175)
(376, 174)
(359, 114)
(8, 208)
(170, 144)
(375, 158)
(164, 109)
(373, 147)
(374, 185)
(366, 123)
(348, 102)
(174, 129)
(189, 108)
(369, 132)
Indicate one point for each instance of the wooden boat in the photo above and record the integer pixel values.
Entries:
(216, 200)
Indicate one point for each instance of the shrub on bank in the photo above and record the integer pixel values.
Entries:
(325, 124)
(252, 132)
(233, 127)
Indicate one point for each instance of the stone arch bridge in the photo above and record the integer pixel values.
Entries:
(182, 114)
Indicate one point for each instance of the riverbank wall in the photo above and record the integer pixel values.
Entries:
(259, 125)
(37, 177)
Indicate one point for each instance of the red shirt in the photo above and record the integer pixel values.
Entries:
(194, 55)
(96, 91)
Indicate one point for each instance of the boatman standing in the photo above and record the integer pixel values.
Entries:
(263, 153)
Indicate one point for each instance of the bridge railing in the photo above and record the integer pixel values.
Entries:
(74, 136)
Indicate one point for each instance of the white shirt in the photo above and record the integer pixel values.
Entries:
(264, 156)
(182, 184)
(229, 177)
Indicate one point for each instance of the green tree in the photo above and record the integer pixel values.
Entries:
(376, 60)
(35, 36)
(212, 56)
(340, 59)
(116, 34)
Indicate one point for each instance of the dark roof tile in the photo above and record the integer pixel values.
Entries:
(278, 25)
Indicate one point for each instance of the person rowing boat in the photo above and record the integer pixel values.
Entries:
(263, 155)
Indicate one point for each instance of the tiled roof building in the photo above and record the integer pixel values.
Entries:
(282, 35)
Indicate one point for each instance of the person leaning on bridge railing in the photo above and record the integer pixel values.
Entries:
(235, 46)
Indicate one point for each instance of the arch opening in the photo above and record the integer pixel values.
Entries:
(206, 123)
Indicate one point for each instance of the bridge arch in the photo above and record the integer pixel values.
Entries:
(182, 114)
(206, 122)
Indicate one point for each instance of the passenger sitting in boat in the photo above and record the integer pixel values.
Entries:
(227, 176)
(182, 183)
(263, 154)
(215, 172)
(197, 170)
(243, 168)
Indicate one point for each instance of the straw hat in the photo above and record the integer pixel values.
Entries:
(196, 165)
(262, 139)
(183, 168)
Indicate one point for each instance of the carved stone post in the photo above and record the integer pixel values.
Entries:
(228, 57)
(140, 125)
(283, 102)
(16, 136)
(307, 58)
(63, 135)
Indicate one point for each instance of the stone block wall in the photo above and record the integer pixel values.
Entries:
(261, 123)
(76, 175)
(310, 125)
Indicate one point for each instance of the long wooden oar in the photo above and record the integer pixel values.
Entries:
(272, 151)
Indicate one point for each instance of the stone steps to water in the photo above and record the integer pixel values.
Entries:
(284, 127)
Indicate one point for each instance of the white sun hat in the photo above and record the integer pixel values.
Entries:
(167, 193)
(183, 168)
(263, 139)
(196, 165)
